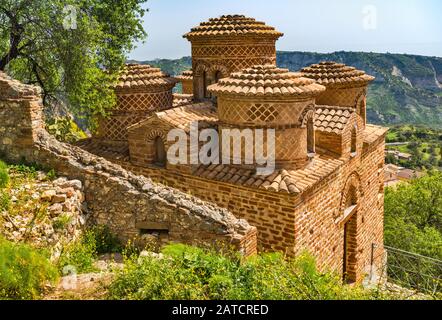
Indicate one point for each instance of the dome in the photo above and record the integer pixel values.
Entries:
(267, 81)
(232, 25)
(138, 76)
(331, 74)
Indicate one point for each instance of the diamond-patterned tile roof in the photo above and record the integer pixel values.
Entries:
(143, 76)
(331, 74)
(266, 80)
(332, 119)
(232, 25)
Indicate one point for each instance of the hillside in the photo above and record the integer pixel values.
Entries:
(408, 88)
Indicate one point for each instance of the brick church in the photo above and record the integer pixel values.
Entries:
(326, 194)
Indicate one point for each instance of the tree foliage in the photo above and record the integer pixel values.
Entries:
(65, 46)
(413, 216)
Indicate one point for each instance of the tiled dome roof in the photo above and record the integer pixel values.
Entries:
(232, 25)
(266, 80)
(136, 76)
(186, 75)
(331, 73)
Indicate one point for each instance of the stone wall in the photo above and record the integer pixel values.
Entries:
(130, 205)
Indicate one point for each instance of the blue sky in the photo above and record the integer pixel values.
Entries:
(400, 26)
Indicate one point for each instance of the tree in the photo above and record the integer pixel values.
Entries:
(413, 215)
(72, 49)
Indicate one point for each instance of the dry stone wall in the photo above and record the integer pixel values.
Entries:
(130, 205)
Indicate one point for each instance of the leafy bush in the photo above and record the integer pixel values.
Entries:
(105, 241)
(82, 253)
(23, 271)
(192, 273)
(4, 176)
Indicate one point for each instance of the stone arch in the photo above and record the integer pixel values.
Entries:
(351, 197)
(201, 81)
(361, 106)
(307, 114)
(223, 70)
(153, 134)
(352, 191)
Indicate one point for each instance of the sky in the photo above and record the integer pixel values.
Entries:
(395, 26)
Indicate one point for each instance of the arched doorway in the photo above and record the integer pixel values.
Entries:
(349, 258)
(160, 152)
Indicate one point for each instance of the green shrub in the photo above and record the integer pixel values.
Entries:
(4, 176)
(82, 253)
(193, 273)
(105, 241)
(79, 254)
(23, 271)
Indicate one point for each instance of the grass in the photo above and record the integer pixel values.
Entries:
(4, 176)
(24, 271)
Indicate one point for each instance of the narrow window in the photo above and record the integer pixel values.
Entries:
(354, 140)
(217, 76)
(160, 152)
(310, 137)
(205, 85)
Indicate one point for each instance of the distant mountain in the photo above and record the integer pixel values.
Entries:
(407, 89)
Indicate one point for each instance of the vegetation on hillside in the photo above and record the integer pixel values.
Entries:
(423, 143)
(413, 216)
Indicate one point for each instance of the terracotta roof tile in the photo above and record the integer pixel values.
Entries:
(332, 74)
(331, 118)
(291, 182)
(138, 76)
(183, 117)
(186, 75)
(266, 80)
(372, 133)
(110, 152)
(181, 99)
(232, 25)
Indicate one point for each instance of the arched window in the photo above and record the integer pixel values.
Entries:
(310, 136)
(218, 76)
(362, 108)
(354, 132)
(205, 84)
(160, 152)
